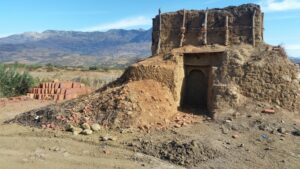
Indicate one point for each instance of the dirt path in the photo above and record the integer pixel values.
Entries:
(10, 109)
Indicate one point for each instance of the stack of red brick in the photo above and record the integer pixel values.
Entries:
(58, 91)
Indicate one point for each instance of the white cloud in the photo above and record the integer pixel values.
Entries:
(121, 24)
(293, 50)
(284, 17)
(282, 5)
(293, 47)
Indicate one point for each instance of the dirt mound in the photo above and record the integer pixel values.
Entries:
(126, 105)
(189, 153)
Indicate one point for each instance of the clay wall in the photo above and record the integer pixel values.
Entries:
(227, 26)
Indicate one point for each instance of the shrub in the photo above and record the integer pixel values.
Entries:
(14, 83)
(93, 68)
(49, 67)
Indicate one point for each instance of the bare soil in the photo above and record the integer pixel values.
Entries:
(244, 138)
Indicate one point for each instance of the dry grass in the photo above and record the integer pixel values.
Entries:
(94, 79)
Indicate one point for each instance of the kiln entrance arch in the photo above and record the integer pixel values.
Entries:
(195, 90)
(199, 75)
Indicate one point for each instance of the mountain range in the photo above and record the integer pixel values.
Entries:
(115, 47)
(118, 46)
(295, 60)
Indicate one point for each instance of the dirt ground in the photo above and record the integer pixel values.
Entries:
(245, 138)
(24, 147)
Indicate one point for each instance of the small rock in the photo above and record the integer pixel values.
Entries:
(69, 127)
(107, 138)
(77, 132)
(85, 126)
(235, 136)
(241, 145)
(228, 121)
(87, 132)
(74, 130)
(269, 148)
(103, 138)
(193, 143)
(225, 130)
(296, 132)
(113, 138)
(234, 127)
(96, 127)
(281, 130)
(106, 151)
(266, 127)
(236, 114)
(55, 149)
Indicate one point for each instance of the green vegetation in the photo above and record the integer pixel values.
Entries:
(53, 67)
(14, 82)
(16, 78)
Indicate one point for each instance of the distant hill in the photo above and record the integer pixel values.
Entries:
(117, 46)
(295, 60)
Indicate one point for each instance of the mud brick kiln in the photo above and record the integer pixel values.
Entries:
(216, 58)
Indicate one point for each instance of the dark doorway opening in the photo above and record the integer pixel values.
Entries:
(199, 76)
(195, 90)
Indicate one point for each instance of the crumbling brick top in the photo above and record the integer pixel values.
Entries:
(226, 26)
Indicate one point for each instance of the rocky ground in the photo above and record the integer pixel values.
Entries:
(243, 138)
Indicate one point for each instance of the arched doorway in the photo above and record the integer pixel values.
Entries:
(195, 93)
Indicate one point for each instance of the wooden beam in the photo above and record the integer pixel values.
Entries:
(226, 31)
(253, 28)
(182, 29)
(159, 32)
(205, 28)
(262, 26)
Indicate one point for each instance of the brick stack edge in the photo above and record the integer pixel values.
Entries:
(58, 91)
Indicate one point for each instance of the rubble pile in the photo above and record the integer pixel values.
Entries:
(126, 105)
(185, 153)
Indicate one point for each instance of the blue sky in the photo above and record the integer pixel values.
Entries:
(282, 17)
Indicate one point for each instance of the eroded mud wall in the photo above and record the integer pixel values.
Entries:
(231, 25)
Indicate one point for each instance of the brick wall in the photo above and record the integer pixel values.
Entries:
(58, 91)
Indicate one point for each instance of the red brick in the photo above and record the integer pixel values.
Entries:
(268, 111)
(61, 97)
